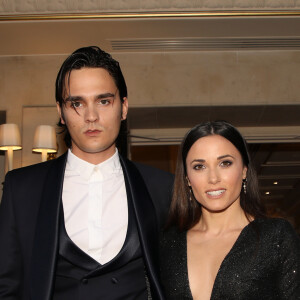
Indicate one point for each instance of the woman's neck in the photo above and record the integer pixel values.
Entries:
(233, 218)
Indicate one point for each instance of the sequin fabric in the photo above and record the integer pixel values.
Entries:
(264, 263)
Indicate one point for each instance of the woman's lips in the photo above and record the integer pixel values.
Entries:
(215, 193)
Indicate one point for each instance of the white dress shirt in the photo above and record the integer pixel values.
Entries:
(95, 206)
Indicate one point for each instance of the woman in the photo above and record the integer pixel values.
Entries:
(219, 243)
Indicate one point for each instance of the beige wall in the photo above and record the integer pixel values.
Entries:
(26, 81)
(212, 78)
(200, 78)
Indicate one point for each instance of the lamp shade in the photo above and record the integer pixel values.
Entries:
(10, 137)
(44, 139)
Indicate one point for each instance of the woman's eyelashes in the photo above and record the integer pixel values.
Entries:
(198, 167)
(223, 164)
(226, 163)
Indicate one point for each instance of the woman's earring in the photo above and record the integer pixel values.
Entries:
(245, 185)
(190, 188)
(191, 193)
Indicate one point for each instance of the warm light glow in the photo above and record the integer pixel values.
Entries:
(10, 137)
(5, 148)
(44, 140)
(275, 182)
(267, 193)
(40, 150)
(10, 140)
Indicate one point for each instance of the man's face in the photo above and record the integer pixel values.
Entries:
(92, 113)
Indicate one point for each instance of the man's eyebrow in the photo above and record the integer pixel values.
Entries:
(78, 98)
(73, 98)
(105, 95)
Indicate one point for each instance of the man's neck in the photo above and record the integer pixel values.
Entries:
(95, 158)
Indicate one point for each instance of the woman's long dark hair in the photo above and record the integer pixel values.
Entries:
(184, 214)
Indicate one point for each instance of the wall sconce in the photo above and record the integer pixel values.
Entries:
(10, 140)
(44, 140)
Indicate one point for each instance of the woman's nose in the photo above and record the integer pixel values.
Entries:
(213, 176)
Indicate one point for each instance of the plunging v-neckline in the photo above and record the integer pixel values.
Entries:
(237, 241)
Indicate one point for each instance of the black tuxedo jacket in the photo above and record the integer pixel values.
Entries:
(29, 224)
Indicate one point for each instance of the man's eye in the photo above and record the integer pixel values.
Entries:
(226, 163)
(76, 104)
(104, 102)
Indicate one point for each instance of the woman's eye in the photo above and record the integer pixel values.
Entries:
(198, 167)
(226, 163)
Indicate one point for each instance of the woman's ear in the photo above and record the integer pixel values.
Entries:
(245, 169)
(188, 181)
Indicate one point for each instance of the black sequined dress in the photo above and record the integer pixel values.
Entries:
(264, 263)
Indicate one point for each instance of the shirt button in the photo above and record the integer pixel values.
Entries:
(114, 280)
(84, 280)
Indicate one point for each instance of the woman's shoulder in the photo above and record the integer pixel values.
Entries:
(267, 224)
(275, 227)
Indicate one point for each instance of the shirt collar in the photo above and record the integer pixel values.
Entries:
(85, 169)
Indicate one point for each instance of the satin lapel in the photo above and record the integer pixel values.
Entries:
(45, 246)
(146, 222)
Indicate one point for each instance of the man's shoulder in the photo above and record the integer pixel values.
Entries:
(153, 172)
(34, 170)
(159, 182)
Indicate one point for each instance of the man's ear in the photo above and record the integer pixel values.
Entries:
(124, 110)
(60, 113)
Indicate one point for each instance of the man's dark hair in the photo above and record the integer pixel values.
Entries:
(184, 214)
(86, 57)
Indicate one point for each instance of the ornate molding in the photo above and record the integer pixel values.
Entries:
(99, 9)
(89, 6)
(133, 15)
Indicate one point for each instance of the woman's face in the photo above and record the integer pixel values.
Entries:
(215, 172)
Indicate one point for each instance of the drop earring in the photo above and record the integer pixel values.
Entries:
(245, 185)
(190, 189)
(191, 194)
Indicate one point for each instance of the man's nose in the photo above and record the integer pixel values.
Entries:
(91, 114)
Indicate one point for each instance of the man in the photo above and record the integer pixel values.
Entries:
(84, 226)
